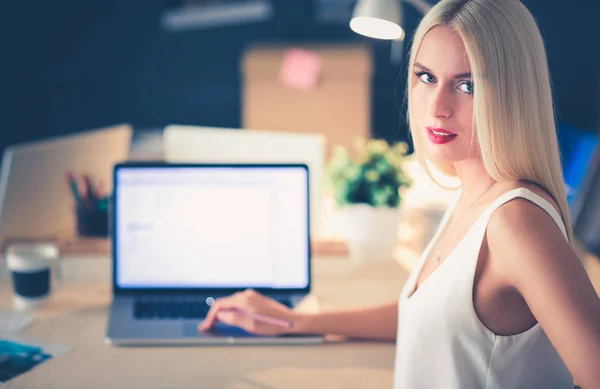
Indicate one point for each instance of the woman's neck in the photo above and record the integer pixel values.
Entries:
(474, 179)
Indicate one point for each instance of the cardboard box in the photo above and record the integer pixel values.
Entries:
(338, 107)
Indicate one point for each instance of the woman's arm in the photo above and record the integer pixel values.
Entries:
(535, 259)
(378, 322)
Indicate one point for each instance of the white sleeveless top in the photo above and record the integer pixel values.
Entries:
(441, 342)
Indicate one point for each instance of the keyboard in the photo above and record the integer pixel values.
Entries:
(170, 308)
(157, 308)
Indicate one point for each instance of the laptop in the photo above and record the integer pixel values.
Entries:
(35, 200)
(186, 234)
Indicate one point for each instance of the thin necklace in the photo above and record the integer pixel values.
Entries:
(439, 251)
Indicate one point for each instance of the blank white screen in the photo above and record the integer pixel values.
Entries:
(212, 227)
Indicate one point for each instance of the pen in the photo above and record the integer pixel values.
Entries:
(91, 190)
(263, 318)
(74, 188)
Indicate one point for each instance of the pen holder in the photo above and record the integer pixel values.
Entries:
(92, 222)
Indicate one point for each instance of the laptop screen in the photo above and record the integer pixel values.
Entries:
(182, 226)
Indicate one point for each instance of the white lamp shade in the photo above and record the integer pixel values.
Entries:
(377, 19)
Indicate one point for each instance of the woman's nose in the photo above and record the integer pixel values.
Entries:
(441, 104)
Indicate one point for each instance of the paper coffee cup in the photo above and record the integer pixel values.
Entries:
(30, 265)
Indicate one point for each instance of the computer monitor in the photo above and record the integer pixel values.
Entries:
(226, 145)
(35, 199)
(211, 227)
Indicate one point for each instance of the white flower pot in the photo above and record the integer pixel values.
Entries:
(371, 233)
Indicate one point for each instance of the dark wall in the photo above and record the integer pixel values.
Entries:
(70, 65)
(571, 31)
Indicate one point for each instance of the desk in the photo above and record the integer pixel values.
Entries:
(76, 317)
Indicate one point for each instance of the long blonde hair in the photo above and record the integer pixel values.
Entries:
(512, 106)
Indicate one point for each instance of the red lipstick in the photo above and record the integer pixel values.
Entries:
(440, 136)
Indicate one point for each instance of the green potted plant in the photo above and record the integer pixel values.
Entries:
(367, 186)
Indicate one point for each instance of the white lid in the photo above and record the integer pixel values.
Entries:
(30, 256)
(33, 250)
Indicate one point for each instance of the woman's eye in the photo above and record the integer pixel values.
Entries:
(426, 77)
(466, 87)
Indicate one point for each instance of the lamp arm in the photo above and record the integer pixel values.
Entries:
(420, 5)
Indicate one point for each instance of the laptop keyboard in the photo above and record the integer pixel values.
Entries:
(162, 308)
(170, 308)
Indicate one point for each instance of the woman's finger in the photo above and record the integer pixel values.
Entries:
(233, 318)
(239, 319)
(240, 310)
(237, 300)
(211, 317)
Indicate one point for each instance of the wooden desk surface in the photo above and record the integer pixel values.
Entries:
(76, 317)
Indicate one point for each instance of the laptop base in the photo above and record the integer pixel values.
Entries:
(124, 330)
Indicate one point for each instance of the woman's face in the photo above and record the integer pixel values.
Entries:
(442, 97)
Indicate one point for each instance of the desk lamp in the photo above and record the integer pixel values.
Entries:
(381, 19)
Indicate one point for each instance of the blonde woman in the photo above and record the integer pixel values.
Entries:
(499, 298)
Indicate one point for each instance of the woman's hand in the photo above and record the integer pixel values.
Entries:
(231, 310)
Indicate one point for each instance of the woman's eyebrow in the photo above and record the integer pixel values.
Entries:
(460, 75)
